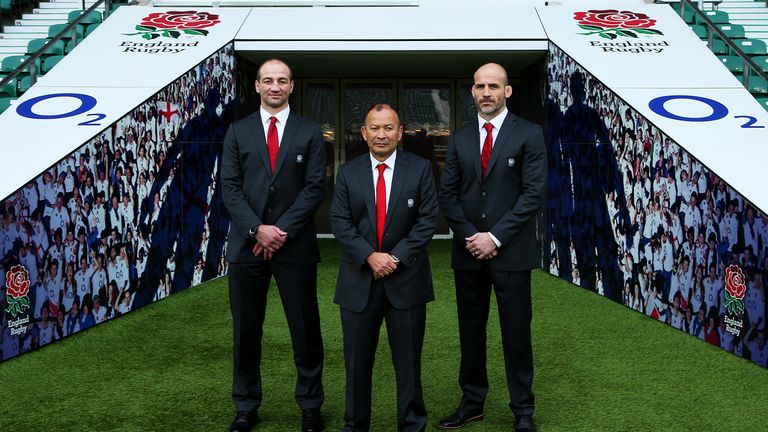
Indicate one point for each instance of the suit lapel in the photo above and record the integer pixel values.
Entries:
(257, 131)
(364, 181)
(474, 147)
(501, 139)
(289, 132)
(398, 178)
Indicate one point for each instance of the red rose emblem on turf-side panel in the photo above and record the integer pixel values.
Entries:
(734, 282)
(612, 18)
(173, 24)
(180, 20)
(17, 282)
(611, 23)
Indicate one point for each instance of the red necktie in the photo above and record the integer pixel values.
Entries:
(272, 142)
(381, 203)
(485, 155)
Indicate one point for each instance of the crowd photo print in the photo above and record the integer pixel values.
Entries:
(636, 218)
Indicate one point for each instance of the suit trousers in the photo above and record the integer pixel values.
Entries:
(297, 285)
(513, 297)
(405, 330)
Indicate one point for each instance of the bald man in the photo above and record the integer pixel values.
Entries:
(491, 191)
(273, 173)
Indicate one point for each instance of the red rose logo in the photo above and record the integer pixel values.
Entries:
(734, 282)
(17, 281)
(734, 290)
(612, 18)
(180, 20)
(173, 24)
(611, 23)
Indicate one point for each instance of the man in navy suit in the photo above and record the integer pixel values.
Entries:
(384, 213)
(491, 191)
(273, 169)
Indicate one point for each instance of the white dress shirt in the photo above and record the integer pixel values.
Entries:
(388, 173)
(496, 122)
(282, 118)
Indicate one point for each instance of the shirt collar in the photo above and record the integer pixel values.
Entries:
(389, 162)
(282, 116)
(496, 121)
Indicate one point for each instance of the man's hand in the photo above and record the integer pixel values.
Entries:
(270, 238)
(481, 246)
(382, 264)
(259, 250)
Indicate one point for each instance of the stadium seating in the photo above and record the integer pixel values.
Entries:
(90, 29)
(763, 101)
(46, 20)
(56, 28)
(716, 16)
(719, 47)
(745, 23)
(10, 63)
(752, 46)
(24, 84)
(10, 89)
(733, 31)
(699, 30)
(92, 19)
(50, 62)
(36, 44)
(761, 61)
(5, 6)
(5, 102)
(734, 63)
(758, 85)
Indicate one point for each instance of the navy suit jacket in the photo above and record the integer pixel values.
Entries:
(287, 199)
(411, 222)
(505, 202)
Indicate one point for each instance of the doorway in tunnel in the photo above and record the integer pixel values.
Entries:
(430, 90)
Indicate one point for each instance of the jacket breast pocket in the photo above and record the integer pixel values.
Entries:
(512, 161)
(409, 199)
(298, 159)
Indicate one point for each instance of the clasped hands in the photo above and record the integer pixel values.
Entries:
(269, 239)
(382, 264)
(481, 246)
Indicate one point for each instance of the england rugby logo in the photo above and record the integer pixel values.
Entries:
(611, 24)
(173, 24)
(17, 293)
(734, 290)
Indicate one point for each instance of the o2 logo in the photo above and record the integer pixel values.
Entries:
(87, 103)
(719, 110)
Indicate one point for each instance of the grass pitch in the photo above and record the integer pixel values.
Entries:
(167, 367)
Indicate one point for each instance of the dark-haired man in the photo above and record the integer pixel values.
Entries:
(384, 213)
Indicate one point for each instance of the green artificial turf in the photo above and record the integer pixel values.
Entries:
(167, 367)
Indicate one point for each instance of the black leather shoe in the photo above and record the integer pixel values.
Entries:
(460, 418)
(244, 421)
(524, 423)
(311, 421)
